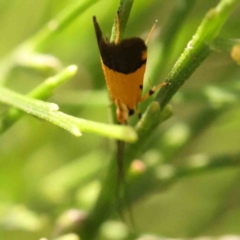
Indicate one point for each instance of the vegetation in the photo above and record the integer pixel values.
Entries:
(58, 174)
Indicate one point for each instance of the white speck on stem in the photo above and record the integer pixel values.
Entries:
(53, 25)
(189, 45)
(165, 171)
(75, 131)
(53, 107)
(72, 68)
(177, 135)
(199, 160)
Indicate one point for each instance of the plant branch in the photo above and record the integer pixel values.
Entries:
(106, 199)
(223, 237)
(43, 91)
(124, 10)
(192, 57)
(28, 49)
(197, 49)
(171, 29)
(161, 177)
(50, 113)
(57, 24)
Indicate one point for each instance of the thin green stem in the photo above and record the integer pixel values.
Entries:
(50, 113)
(169, 151)
(195, 53)
(150, 120)
(154, 237)
(57, 24)
(69, 236)
(43, 91)
(161, 177)
(165, 44)
(107, 199)
(124, 10)
(197, 49)
(192, 57)
(186, 133)
(35, 43)
(216, 99)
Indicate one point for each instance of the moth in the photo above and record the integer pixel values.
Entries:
(124, 64)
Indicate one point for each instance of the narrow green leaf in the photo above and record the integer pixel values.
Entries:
(48, 112)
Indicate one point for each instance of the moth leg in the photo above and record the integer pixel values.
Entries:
(138, 112)
(122, 111)
(135, 110)
(117, 28)
(152, 91)
(130, 112)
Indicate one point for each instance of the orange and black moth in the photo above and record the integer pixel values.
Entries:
(124, 65)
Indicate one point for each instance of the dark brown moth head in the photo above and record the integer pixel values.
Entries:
(124, 57)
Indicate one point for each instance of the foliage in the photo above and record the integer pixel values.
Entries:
(182, 176)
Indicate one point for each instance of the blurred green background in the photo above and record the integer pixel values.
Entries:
(45, 171)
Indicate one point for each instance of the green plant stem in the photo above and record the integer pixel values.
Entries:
(217, 102)
(190, 59)
(216, 99)
(165, 44)
(48, 112)
(57, 24)
(105, 205)
(43, 91)
(195, 53)
(106, 200)
(124, 10)
(145, 127)
(69, 236)
(154, 237)
(197, 49)
(192, 129)
(159, 178)
(39, 40)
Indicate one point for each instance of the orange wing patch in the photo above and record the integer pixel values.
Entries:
(127, 88)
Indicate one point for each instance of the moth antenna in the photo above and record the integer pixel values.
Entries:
(153, 90)
(118, 28)
(150, 33)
